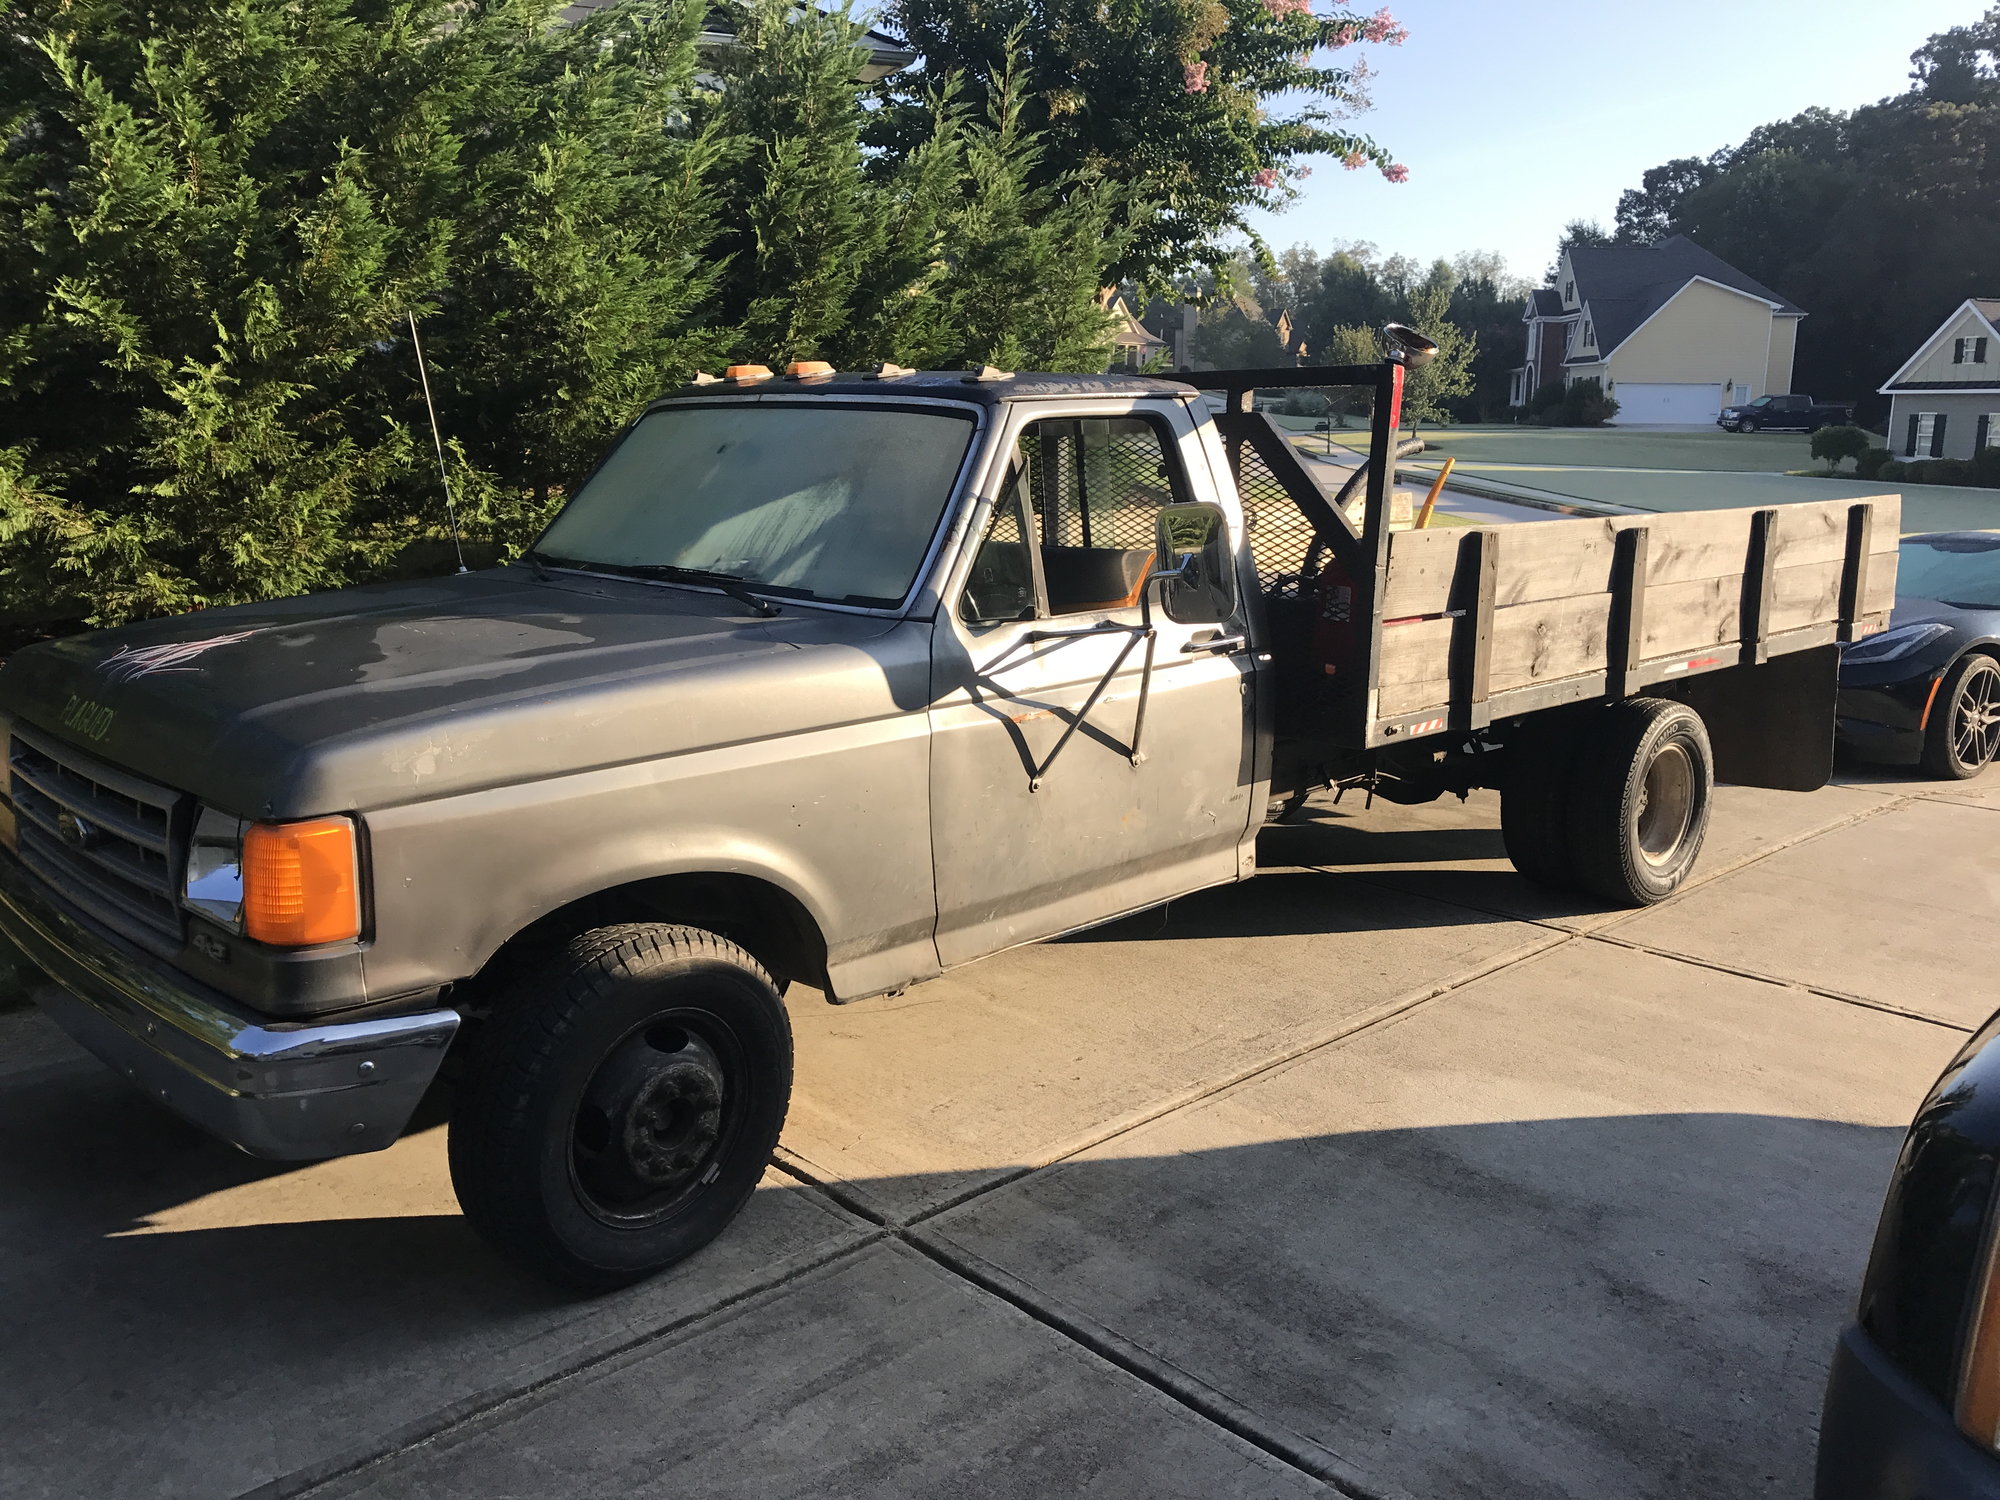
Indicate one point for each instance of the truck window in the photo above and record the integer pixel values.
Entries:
(820, 499)
(1091, 489)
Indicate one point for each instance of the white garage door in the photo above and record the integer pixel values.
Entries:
(1639, 403)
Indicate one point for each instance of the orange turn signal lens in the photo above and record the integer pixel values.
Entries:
(301, 883)
(747, 372)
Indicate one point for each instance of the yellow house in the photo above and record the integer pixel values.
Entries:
(1945, 401)
(1671, 331)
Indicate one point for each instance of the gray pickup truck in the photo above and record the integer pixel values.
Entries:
(839, 680)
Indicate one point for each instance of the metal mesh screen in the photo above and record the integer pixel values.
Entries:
(1280, 535)
(1097, 481)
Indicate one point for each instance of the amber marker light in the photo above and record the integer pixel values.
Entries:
(747, 372)
(808, 369)
(301, 883)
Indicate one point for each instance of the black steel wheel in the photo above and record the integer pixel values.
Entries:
(620, 1105)
(1639, 802)
(1962, 735)
(1534, 798)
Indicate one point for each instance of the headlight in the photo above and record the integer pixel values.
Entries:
(293, 885)
(1891, 644)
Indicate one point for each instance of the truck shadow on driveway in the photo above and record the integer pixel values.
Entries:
(1636, 1305)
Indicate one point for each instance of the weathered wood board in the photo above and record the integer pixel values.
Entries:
(1555, 605)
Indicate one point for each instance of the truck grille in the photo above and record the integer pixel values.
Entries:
(106, 839)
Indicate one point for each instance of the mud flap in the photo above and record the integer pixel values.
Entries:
(1771, 724)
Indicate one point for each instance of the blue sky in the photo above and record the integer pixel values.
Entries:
(1515, 119)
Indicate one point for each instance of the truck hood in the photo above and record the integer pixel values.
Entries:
(394, 693)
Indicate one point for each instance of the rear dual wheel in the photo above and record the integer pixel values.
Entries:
(1613, 802)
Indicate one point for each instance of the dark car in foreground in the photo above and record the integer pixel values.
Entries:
(1784, 414)
(1926, 691)
(1913, 1403)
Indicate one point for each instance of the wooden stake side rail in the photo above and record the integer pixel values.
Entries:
(1495, 621)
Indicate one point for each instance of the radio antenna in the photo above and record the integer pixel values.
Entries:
(437, 438)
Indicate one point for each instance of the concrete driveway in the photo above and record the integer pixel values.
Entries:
(1385, 1175)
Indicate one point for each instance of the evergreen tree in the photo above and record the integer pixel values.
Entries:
(1428, 390)
(215, 217)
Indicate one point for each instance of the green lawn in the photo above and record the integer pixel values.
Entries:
(1665, 470)
(1606, 447)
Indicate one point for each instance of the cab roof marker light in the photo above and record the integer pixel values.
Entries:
(702, 377)
(888, 371)
(808, 369)
(747, 372)
(987, 372)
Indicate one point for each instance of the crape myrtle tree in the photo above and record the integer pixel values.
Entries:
(1201, 109)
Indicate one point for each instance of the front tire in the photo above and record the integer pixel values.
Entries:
(619, 1107)
(1963, 733)
(1640, 800)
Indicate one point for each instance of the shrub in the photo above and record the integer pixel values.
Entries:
(1986, 468)
(1869, 465)
(1586, 405)
(1835, 443)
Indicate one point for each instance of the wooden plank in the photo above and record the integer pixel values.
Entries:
(1472, 640)
(1558, 559)
(1628, 609)
(1758, 568)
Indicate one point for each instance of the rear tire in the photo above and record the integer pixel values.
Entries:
(621, 1104)
(1534, 802)
(1639, 802)
(1964, 729)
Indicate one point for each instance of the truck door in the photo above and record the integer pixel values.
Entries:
(1044, 816)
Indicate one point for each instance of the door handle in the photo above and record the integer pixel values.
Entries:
(1230, 643)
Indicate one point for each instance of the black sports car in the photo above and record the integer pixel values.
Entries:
(1926, 691)
(1913, 1402)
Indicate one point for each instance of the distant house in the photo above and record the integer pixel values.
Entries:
(1132, 344)
(1945, 401)
(1673, 332)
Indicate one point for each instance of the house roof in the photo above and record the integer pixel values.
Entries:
(1545, 302)
(1988, 309)
(886, 54)
(1624, 285)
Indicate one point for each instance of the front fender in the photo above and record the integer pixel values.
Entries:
(838, 818)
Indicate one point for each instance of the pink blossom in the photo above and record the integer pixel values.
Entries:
(1382, 27)
(1194, 77)
(1354, 161)
(1303, 173)
(1265, 177)
(1396, 172)
(1279, 9)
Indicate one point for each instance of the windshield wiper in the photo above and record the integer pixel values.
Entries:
(735, 585)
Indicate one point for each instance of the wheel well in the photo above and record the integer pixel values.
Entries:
(771, 924)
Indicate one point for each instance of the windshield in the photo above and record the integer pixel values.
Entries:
(821, 500)
(1956, 570)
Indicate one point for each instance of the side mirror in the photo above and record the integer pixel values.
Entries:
(1198, 586)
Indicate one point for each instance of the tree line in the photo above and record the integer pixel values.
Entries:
(220, 218)
(1337, 300)
(1877, 221)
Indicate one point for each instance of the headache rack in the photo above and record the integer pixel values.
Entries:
(1455, 628)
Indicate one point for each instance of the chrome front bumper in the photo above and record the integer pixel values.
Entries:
(288, 1091)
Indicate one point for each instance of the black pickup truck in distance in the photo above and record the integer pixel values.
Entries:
(1784, 414)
